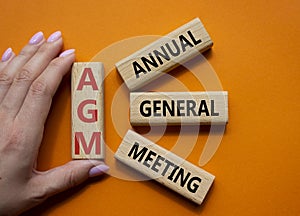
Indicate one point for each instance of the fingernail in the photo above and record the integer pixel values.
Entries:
(67, 52)
(38, 37)
(98, 170)
(54, 36)
(6, 55)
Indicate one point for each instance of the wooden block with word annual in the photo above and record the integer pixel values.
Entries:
(178, 108)
(164, 167)
(87, 110)
(164, 54)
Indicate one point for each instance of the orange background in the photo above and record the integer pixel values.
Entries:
(256, 56)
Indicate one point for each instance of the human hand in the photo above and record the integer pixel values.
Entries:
(28, 82)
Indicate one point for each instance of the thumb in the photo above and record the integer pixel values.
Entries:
(67, 176)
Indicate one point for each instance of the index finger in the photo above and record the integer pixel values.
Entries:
(36, 106)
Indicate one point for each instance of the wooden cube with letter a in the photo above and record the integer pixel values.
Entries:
(164, 54)
(87, 110)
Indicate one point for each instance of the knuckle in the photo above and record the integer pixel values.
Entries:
(39, 88)
(43, 48)
(46, 50)
(27, 52)
(13, 140)
(17, 136)
(55, 64)
(38, 194)
(23, 53)
(70, 179)
(5, 79)
(24, 75)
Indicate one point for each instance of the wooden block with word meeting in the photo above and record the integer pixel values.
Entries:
(178, 108)
(163, 55)
(165, 167)
(87, 110)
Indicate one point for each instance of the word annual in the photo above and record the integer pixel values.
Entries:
(164, 54)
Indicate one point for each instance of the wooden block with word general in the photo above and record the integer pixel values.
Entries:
(165, 167)
(178, 108)
(87, 110)
(164, 54)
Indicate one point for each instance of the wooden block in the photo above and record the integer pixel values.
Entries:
(87, 111)
(164, 54)
(176, 108)
(164, 167)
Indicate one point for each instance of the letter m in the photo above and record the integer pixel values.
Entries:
(136, 154)
(81, 144)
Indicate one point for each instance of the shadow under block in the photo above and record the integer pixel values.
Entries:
(87, 110)
(165, 167)
(178, 108)
(164, 54)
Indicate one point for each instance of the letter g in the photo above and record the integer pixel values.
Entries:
(93, 113)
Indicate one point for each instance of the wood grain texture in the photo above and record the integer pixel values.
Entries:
(87, 110)
(164, 167)
(178, 108)
(191, 39)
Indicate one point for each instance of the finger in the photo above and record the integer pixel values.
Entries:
(13, 67)
(29, 72)
(35, 108)
(7, 56)
(59, 179)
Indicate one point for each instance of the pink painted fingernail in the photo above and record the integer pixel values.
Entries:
(38, 37)
(67, 52)
(98, 170)
(6, 55)
(54, 36)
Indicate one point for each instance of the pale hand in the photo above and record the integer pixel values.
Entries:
(28, 82)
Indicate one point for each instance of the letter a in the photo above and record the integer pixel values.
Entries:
(138, 69)
(87, 72)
